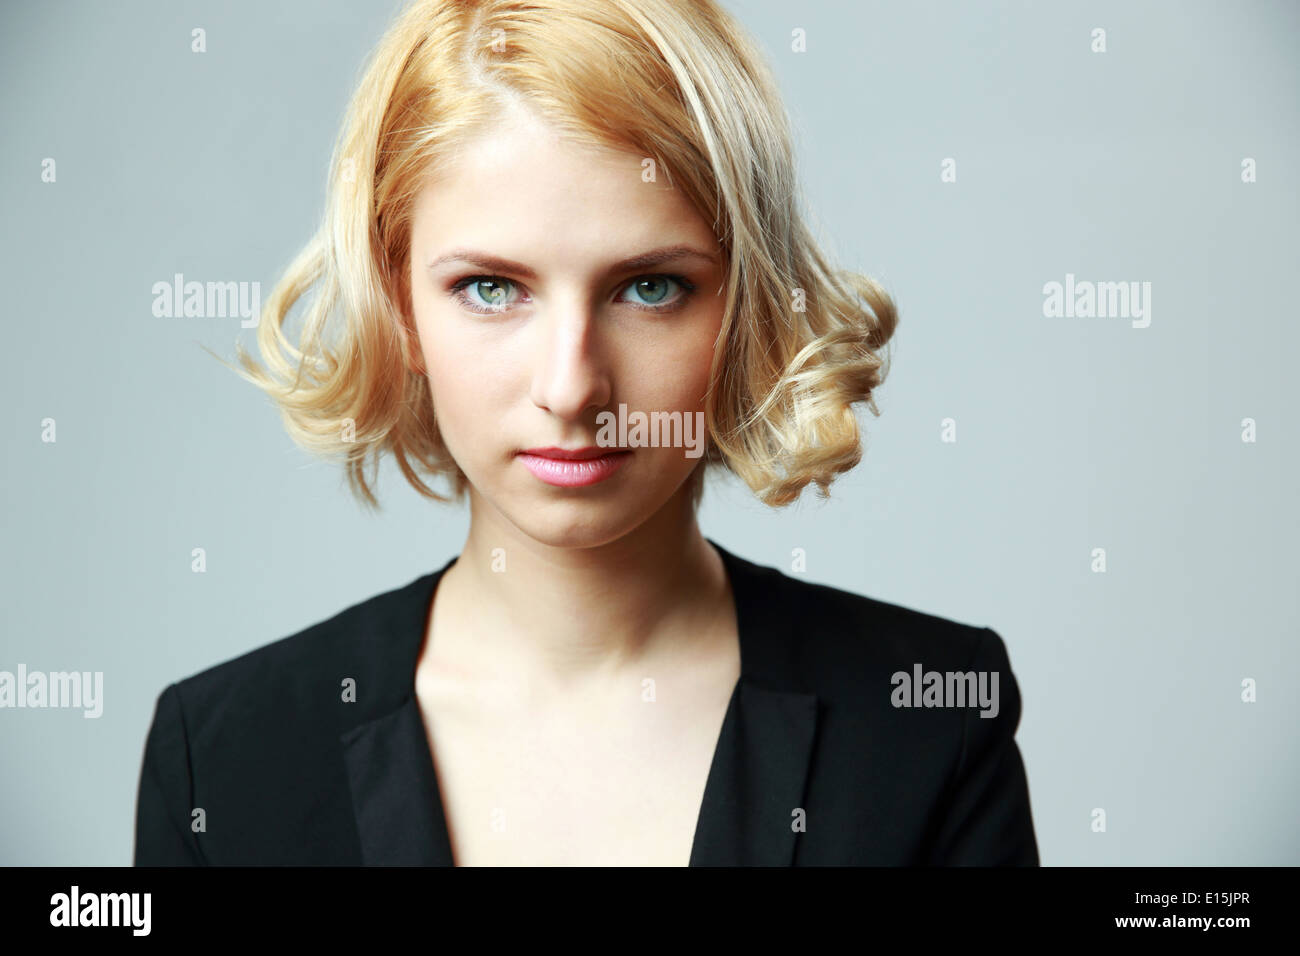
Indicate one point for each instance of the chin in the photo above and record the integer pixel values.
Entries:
(580, 521)
(581, 517)
(577, 520)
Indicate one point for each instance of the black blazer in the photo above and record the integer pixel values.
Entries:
(287, 772)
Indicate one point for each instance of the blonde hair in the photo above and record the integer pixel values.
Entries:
(676, 81)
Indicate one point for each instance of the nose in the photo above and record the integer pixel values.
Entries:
(570, 373)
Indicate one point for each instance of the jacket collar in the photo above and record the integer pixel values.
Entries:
(755, 783)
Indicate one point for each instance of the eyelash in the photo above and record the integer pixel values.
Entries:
(688, 288)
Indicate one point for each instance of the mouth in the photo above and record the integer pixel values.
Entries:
(573, 467)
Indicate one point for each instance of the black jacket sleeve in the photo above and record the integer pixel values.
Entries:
(986, 818)
(162, 816)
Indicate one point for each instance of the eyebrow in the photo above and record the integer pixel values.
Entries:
(645, 260)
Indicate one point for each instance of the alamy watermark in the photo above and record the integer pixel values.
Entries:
(652, 430)
(83, 689)
(946, 689)
(208, 300)
(1103, 300)
(75, 908)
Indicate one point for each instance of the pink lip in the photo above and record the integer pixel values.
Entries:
(573, 468)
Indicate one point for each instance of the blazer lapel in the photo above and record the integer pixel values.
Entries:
(760, 768)
(390, 771)
(756, 780)
(395, 792)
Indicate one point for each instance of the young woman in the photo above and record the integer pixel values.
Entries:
(564, 268)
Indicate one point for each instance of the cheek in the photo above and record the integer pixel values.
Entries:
(674, 374)
(456, 389)
(474, 384)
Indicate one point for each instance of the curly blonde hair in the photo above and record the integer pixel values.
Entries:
(676, 81)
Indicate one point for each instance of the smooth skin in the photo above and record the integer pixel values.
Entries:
(550, 742)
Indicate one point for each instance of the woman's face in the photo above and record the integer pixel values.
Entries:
(531, 325)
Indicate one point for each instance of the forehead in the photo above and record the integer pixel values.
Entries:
(522, 183)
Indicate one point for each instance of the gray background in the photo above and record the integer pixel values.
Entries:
(1073, 433)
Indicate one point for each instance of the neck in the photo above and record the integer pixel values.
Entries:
(514, 607)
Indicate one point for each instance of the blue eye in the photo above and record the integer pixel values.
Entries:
(490, 288)
(655, 291)
(489, 295)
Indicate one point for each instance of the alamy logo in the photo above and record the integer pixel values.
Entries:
(946, 689)
(1102, 300)
(208, 300)
(83, 689)
(102, 909)
(653, 430)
